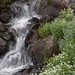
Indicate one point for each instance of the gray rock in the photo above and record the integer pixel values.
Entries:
(5, 36)
(40, 6)
(4, 18)
(2, 46)
(12, 32)
(54, 6)
(3, 28)
(1, 23)
(48, 45)
(51, 11)
(46, 18)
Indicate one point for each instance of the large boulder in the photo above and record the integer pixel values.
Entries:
(51, 6)
(46, 8)
(48, 45)
(51, 10)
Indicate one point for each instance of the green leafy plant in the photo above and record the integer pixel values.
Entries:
(67, 14)
(44, 30)
(46, 58)
(57, 28)
(63, 29)
(59, 65)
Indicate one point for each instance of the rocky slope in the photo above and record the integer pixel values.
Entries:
(49, 9)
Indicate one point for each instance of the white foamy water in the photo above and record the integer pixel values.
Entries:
(17, 58)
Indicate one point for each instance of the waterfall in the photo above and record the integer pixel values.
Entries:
(17, 58)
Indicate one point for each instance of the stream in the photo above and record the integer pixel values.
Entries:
(18, 57)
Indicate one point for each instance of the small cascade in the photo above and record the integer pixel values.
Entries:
(17, 58)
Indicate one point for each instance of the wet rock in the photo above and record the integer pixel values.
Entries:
(35, 71)
(34, 38)
(17, 74)
(28, 74)
(34, 20)
(27, 71)
(5, 36)
(39, 65)
(34, 26)
(4, 18)
(46, 18)
(1, 23)
(27, 39)
(34, 31)
(3, 28)
(44, 67)
(1, 33)
(31, 38)
(48, 45)
(2, 46)
(12, 32)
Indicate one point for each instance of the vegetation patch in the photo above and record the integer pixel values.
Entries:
(62, 29)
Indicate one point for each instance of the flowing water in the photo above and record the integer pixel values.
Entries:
(17, 58)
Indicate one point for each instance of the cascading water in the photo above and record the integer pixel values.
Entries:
(17, 58)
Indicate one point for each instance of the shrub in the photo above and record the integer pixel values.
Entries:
(45, 59)
(59, 65)
(67, 14)
(63, 64)
(44, 30)
(67, 44)
(57, 28)
(69, 35)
